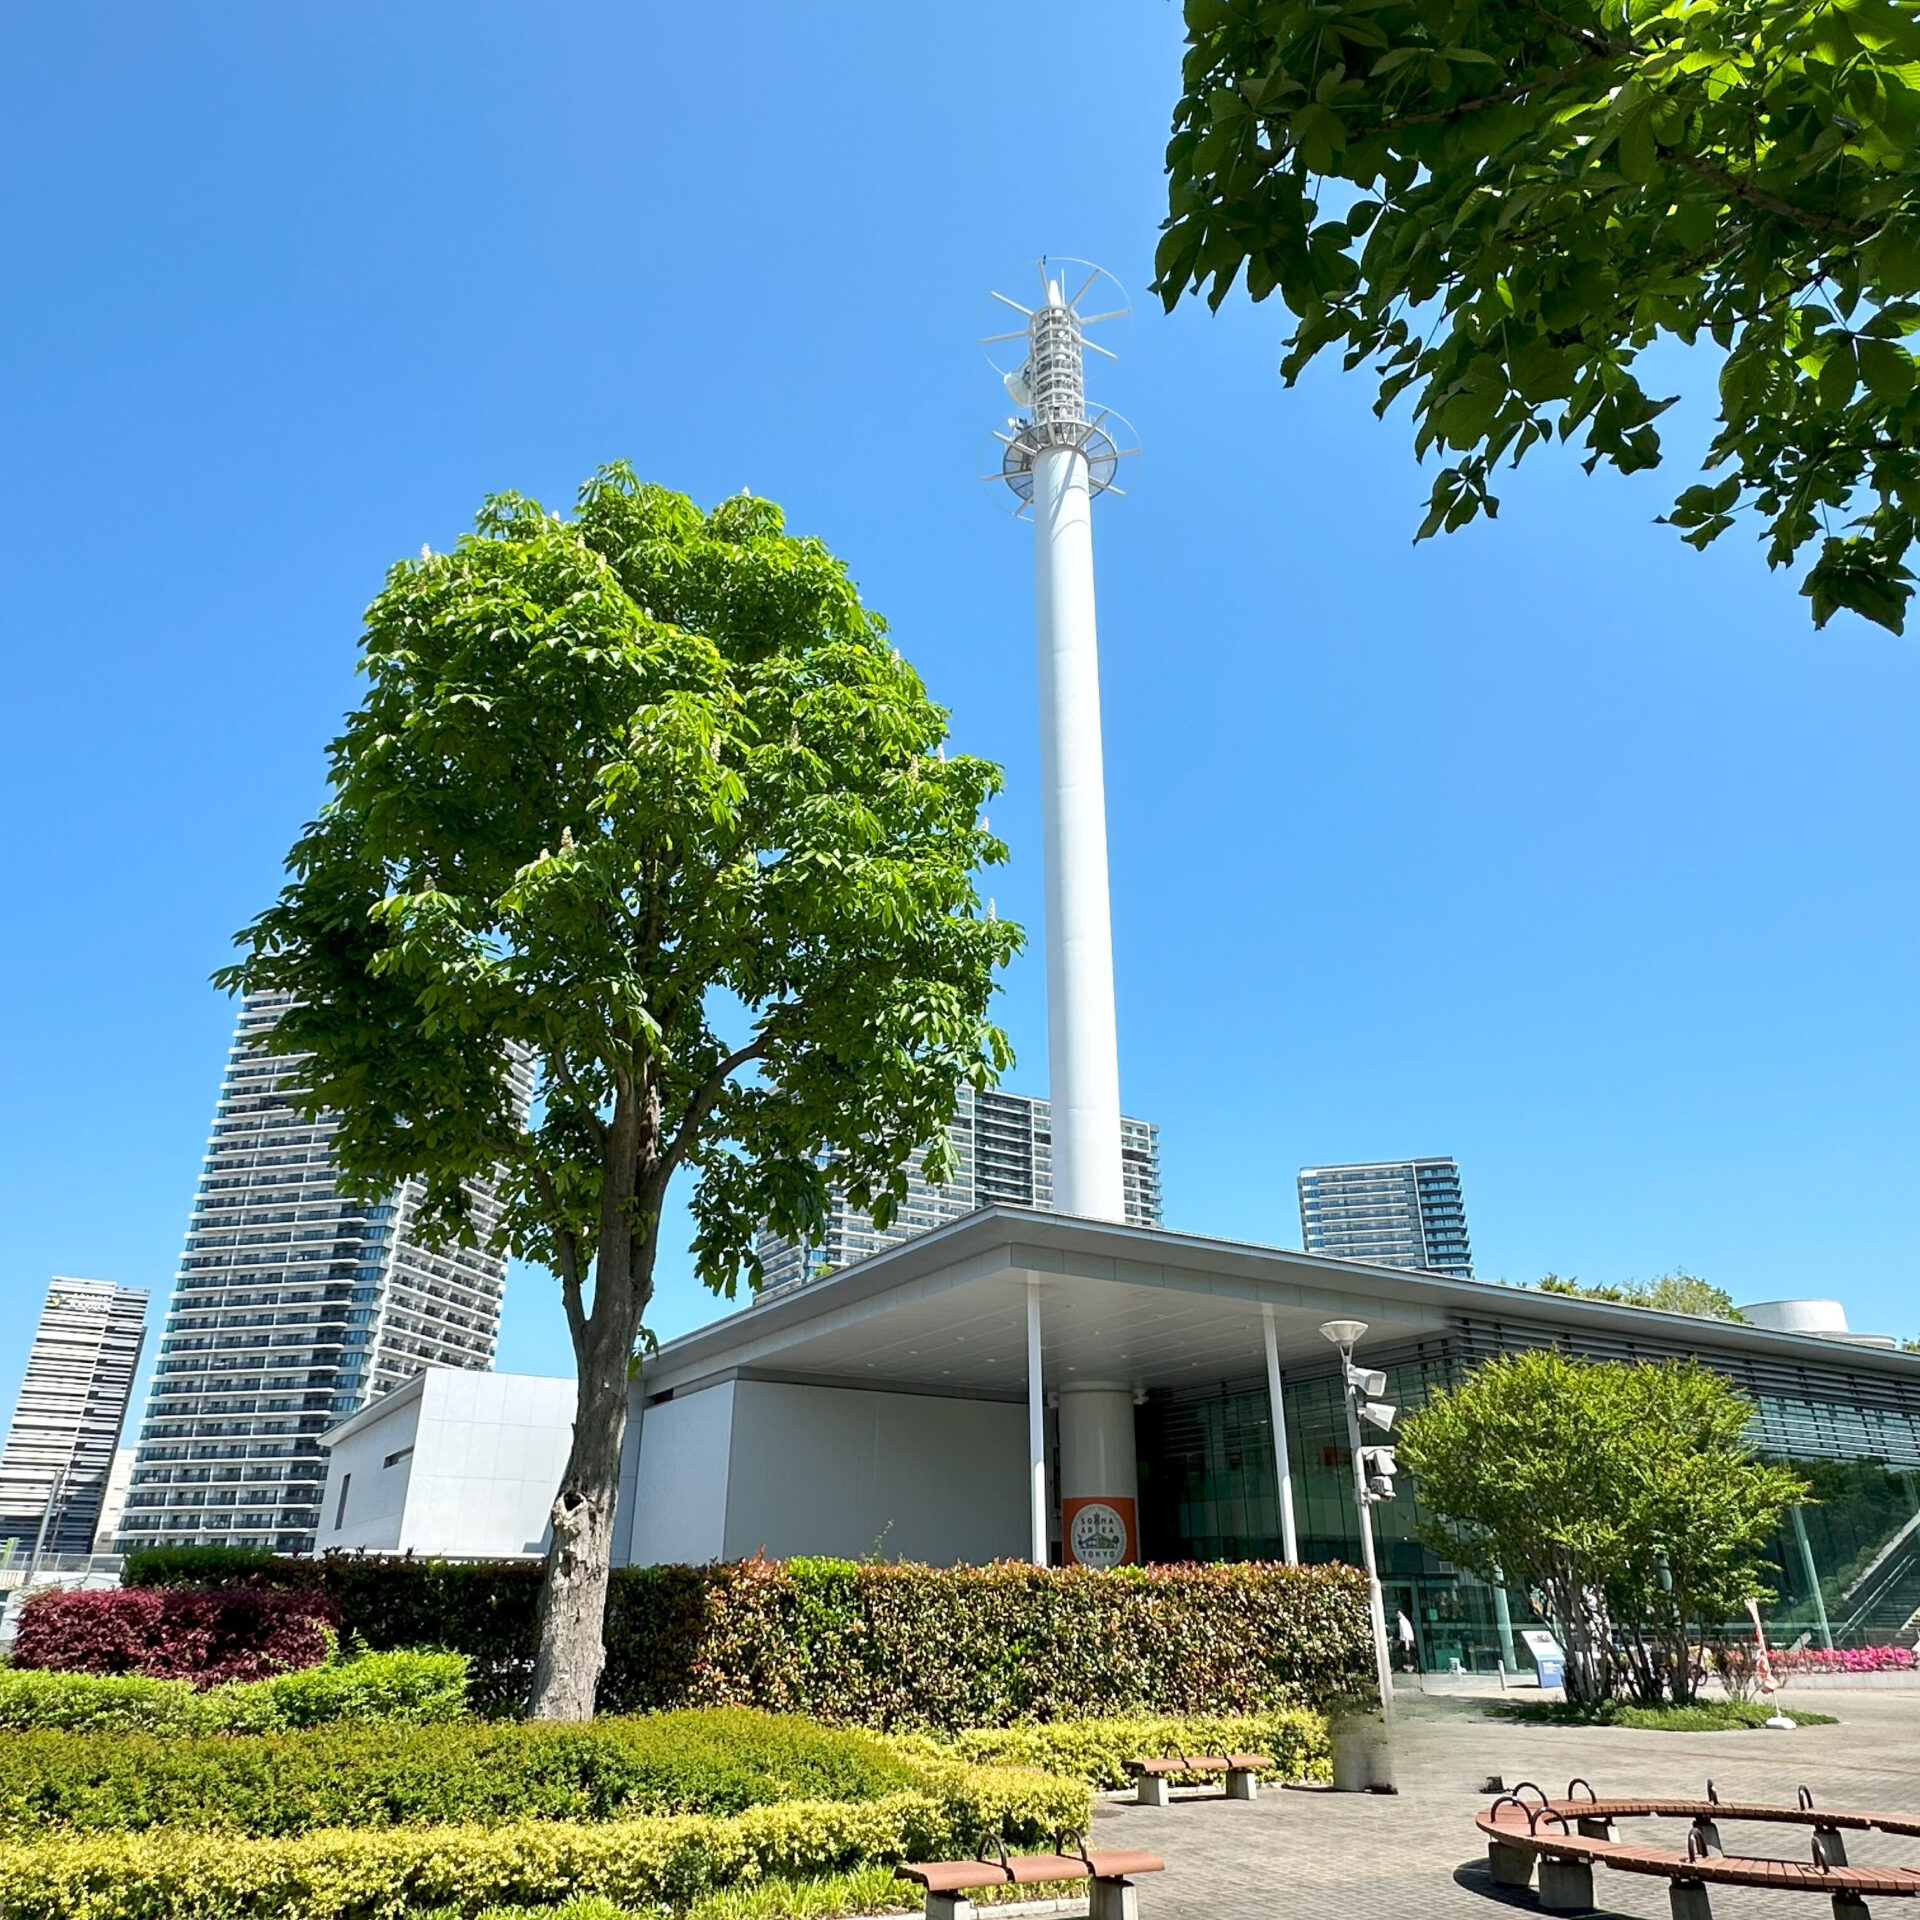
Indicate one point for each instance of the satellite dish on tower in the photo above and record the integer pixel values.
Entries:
(1036, 337)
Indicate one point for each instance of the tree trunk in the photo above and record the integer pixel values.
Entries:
(573, 1597)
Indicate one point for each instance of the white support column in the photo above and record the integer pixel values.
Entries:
(1099, 1475)
(1283, 1466)
(1082, 1048)
(1036, 1429)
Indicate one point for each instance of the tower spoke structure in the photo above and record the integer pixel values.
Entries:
(1056, 458)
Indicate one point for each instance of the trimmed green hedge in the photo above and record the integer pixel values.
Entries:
(834, 1896)
(459, 1872)
(947, 1649)
(214, 1567)
(884, 1646)
(417, 1689)
(1097, 1751)
(721, 1761)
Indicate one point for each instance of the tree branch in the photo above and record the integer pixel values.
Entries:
(1441, 116)
(595, 1125)
(1735, 188)
(1591, 38)
(567, 1244)
(702, 1102)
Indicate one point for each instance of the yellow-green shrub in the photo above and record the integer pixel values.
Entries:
(830, 1896)
(1097, 1751)
(478, 1773)
(401, 1687)
(383, 1873)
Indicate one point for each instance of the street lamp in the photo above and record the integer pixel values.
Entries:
(1373, 1469)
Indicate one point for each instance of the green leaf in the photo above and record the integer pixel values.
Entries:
(1887, 369)
(1839, 374)
(1637, 149)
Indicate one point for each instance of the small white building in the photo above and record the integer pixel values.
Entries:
(456, 1464)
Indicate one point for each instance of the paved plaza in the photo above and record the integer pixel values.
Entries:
(1315, 1853)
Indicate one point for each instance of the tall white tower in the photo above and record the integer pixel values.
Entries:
(1056, 459)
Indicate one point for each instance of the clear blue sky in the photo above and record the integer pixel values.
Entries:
(1553, 846)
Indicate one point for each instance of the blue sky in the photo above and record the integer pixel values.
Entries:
(1553, 846)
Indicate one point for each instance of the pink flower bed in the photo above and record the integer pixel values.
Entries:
(1845, 1660)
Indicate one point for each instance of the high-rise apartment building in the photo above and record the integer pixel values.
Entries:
(1003, 1151)
(1402, 1213)
(73, 1403)
(295, 1306)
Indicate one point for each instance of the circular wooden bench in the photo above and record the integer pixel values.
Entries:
(1567, 1838)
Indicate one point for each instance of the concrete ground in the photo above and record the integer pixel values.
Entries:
(1329, 1856)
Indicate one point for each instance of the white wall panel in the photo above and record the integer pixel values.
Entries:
(680, 1501)
(843, 1471)
(487, 1463)
(376, 1494)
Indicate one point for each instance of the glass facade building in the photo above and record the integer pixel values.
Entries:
(1844, 1572)
(66, 1424)
(1403, 1213)
(294, 1306)
(1003, 1154)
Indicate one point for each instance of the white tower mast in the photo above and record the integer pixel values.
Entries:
(1056, 459)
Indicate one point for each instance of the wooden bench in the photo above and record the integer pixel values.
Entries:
(1566, 1838)
(1243, 1772)
(1111, 1894)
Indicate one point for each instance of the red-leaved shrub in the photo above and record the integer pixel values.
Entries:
(177, 1633)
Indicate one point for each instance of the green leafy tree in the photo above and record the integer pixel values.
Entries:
(1502, 204)
(1667, 1293)
(645, 797)
(1624, 1497)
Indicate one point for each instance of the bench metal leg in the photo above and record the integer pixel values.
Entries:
(1153, 1790)
(1566, 1886)
(1707, 1833)
(1113, 1900)
(1510, 1866)
(948, 1906)
(1242, 1784)
(1832, 1845)
(1849, 1906)
(1598, 1829)
(1689, 1901)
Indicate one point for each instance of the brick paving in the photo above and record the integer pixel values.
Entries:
(1334, 1856)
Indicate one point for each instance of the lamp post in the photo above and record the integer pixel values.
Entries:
(1372, 1481)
